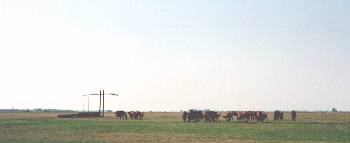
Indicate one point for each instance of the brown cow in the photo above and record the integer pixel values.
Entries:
(228, 116)
(137, 115)
(131, 115)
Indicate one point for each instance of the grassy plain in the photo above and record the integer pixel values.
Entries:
(168, 127)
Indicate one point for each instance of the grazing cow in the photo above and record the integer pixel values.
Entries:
(294, 115)
(260, 116)
(194, 115)
(243, 116)
(184, 116)
(239, 116)
(137, 115)
(213, 116)
(140, 115)
(278, 116)
(121, 115)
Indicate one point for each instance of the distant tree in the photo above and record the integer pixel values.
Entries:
(334, 110)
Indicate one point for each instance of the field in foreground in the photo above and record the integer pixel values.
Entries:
(168, 127)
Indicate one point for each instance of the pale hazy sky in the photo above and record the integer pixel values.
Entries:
(179, 54)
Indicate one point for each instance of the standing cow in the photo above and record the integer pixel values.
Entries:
(211, 116)
(194, 115)
(241, 116)
(131, 114)
(184, 116)
(260, 116)
(294, 115)
(278, 116)
(228, 116)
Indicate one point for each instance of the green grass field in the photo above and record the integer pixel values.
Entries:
(168, 127)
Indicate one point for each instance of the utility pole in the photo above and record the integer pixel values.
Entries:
(88, 103)
(103, 106)
(101, 102)
(99, 107)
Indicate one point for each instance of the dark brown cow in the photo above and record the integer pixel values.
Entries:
(278, 116)
(184, 116)
(121, 115)
(294, 115)
(260, 116)
(194, 115)
(211, 116)
(250, 115)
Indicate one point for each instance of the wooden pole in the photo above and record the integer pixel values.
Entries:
(103, 105)
(99, 107)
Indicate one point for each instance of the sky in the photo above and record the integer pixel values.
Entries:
(170, 55)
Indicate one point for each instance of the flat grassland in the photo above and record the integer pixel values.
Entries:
(310, 127)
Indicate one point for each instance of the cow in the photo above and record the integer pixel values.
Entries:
(184, 116)
(228, 116)
(281, 116)
(211, 116)
(239, 116)
(121, 115)
(140, 115)
(215, 116)
(250, 115)
(243, 116)
(278, 116)
(137, 115)
(294, 115)
(194, 115)
(260, 116)
(131, 116)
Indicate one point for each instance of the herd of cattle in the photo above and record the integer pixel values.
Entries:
(213, 116)
(243, 116)
(122, 115)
